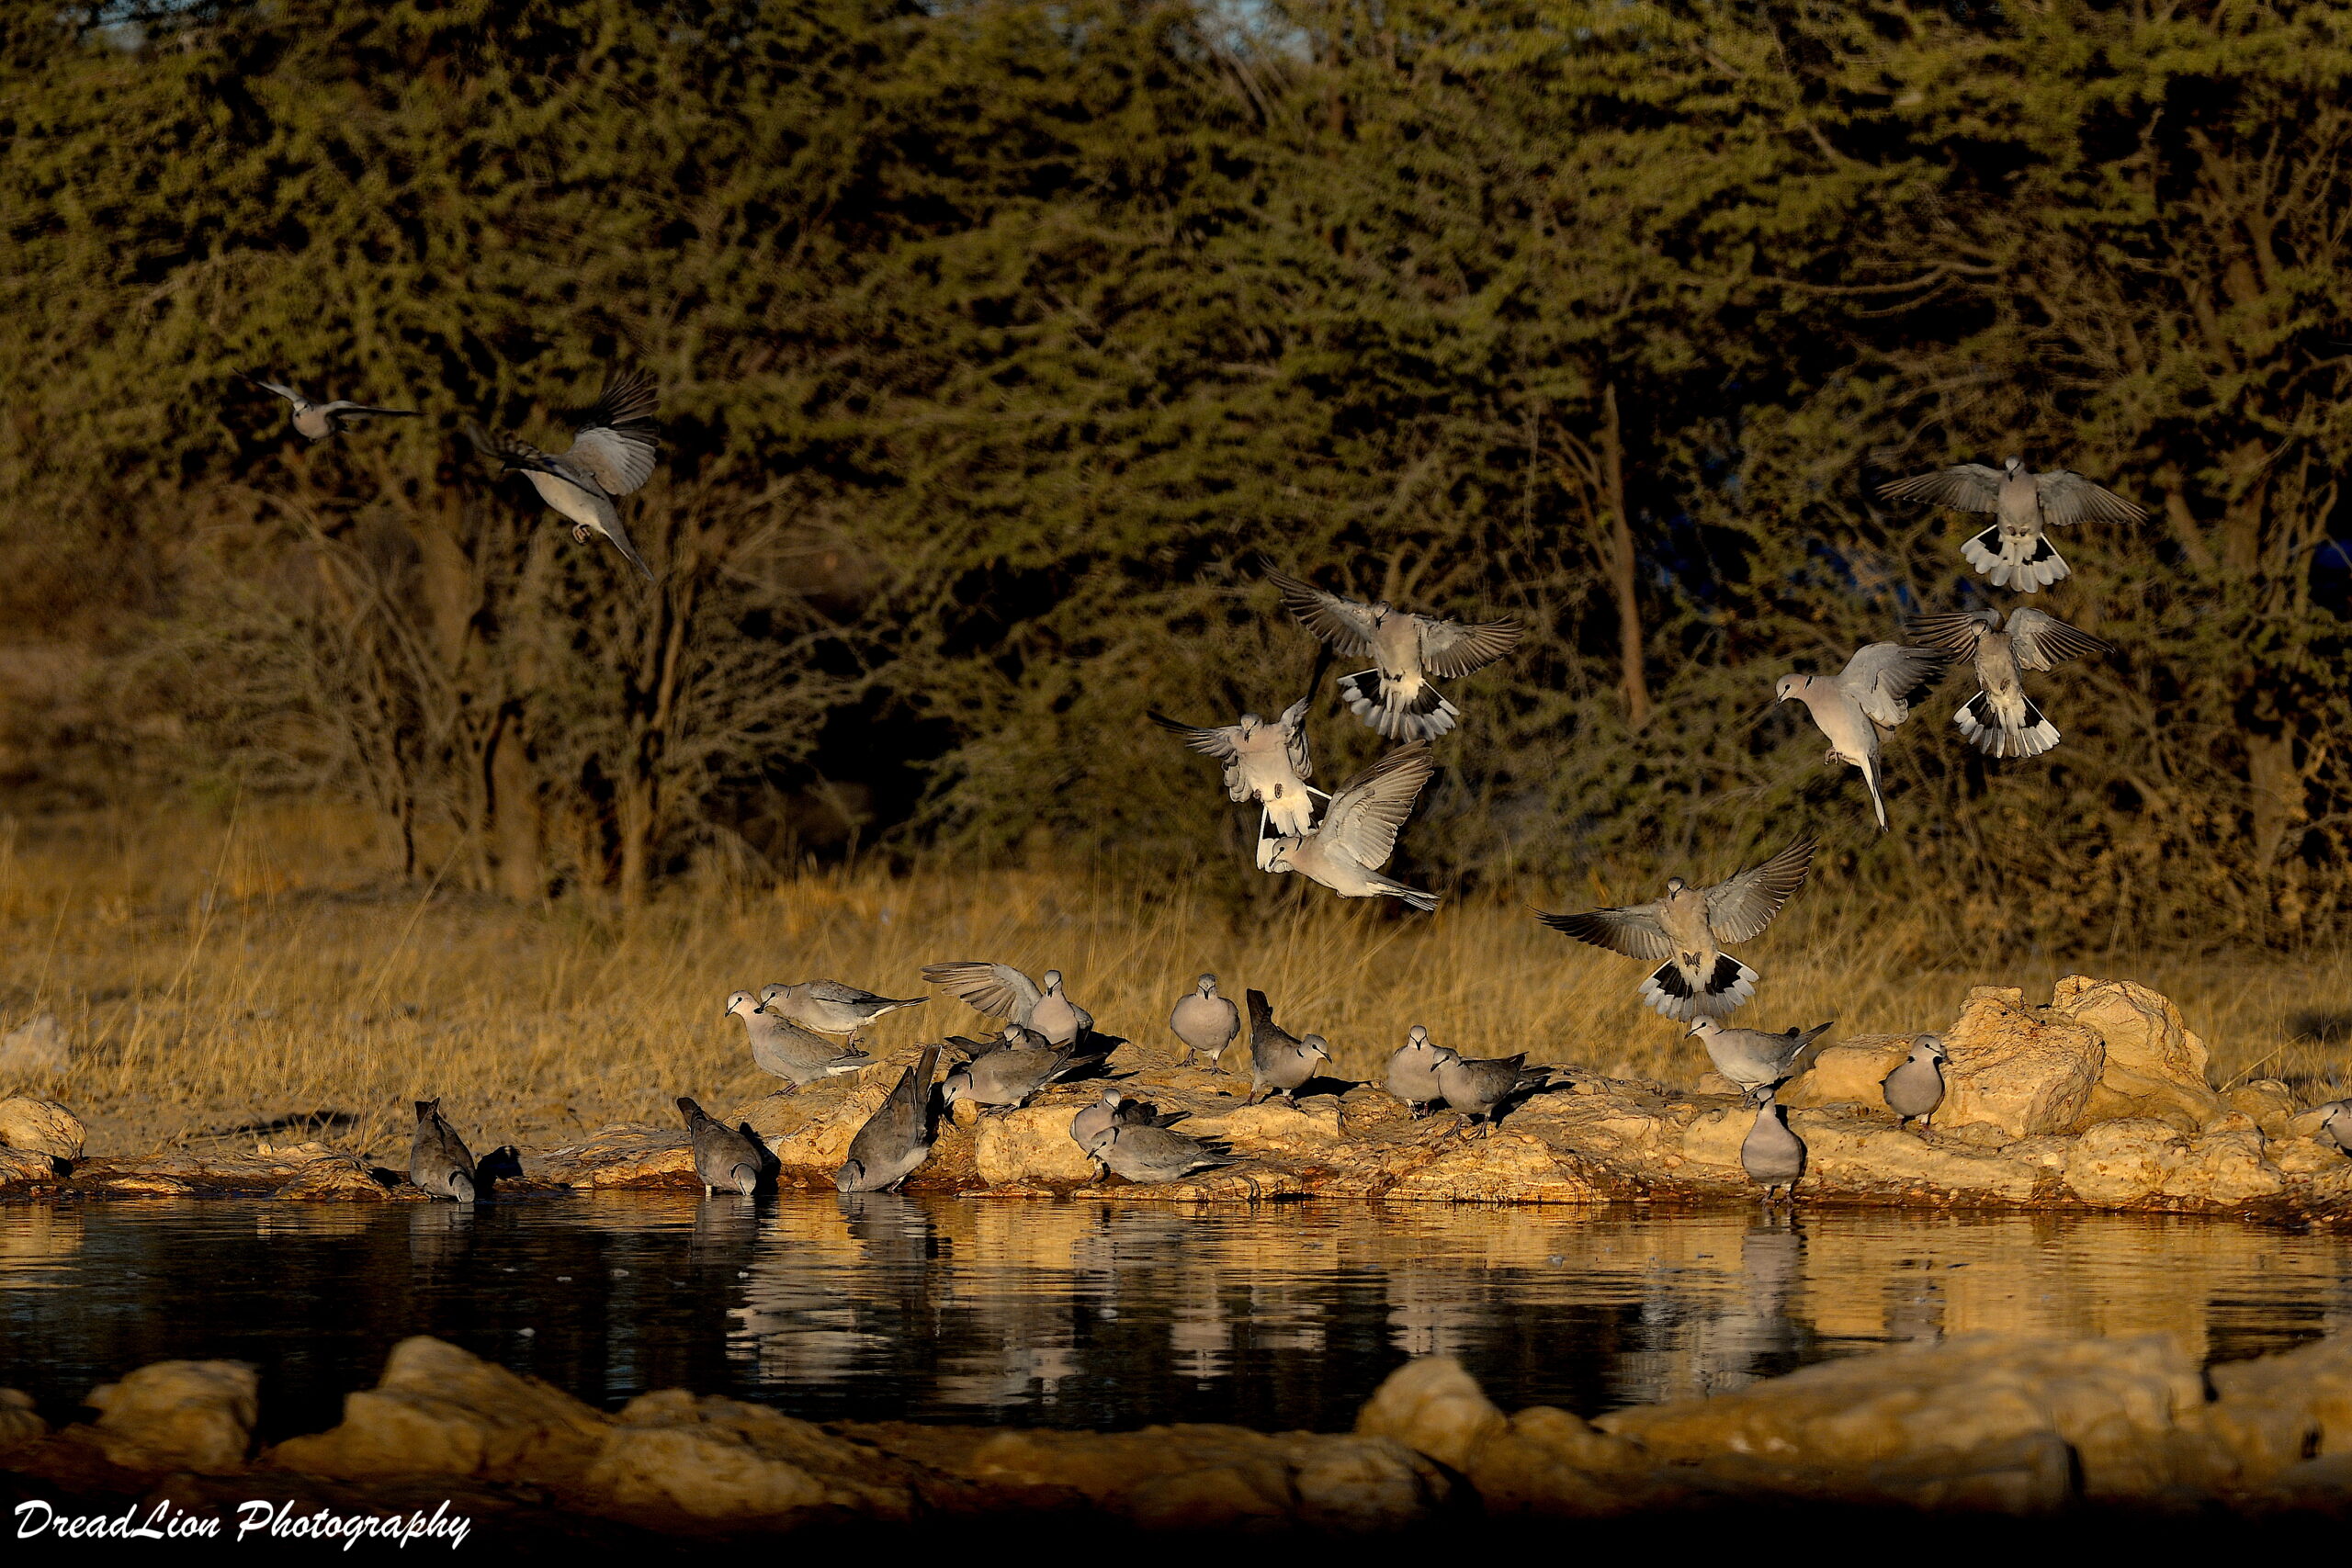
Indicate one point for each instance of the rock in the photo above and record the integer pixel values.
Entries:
(19, 1424)
(41, 1127)
(2121, 1162)
(148, 1184)
(2267, 1103)
(1548, 1462)
(1433, 1406)
(811, 1130)
(1252, 1181)
(2223, 1164)
(196, 1415)
(2027, 1073)
(17, 1166)
(338, 1178)
(625, 1155)
(1848, 1073)
(1715, 1137)
(1505, 1168)
(2302, 1157)
(439, 1411)
(2154, 1066)
(673, 1454)
(1030, 1145)
(35, 1050)
(2272, 1412)
(1848, 1152)
(1271, 1127)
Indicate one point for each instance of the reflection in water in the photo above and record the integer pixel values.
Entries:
(1088, 1313)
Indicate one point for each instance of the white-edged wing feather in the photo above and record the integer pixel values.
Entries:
(1740, 907)
(1362, 821)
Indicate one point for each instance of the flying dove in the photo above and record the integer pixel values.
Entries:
(1773, 1154)
(2014, 552)
(1206, 1022)
(611, 454)
(1116, 1110)
(895, 1139)
(1001, 991)
(316, 421)
(829, 1007)
(2000, 720)
(1279, 1061)
(438, 1161)
(1754, 1058)
(723, 1156)
(1395, 696)
(1359, 831)
(1689, 927)
(1146, 1154)
(1264, 762)
(1484, 1088)
(1913, 1090)
(794, 1054)
(1004, 1079)
(1866, 700)
(1412, 1071)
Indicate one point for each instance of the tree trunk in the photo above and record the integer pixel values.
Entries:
(1621, 563)
(516, 862)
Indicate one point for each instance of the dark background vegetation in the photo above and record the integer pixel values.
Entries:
(1000, 342)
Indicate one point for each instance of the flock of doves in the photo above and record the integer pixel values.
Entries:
(1048, 1038)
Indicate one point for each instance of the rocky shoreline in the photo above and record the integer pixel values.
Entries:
(2096, 1100)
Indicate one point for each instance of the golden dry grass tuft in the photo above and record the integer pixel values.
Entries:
(215, 978)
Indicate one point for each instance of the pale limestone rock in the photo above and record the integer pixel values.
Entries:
(2225, 1166)
(1030, 1145)
(2042, 1154)
(2301, 1157)
(1507, 1167)
(1433, 1406)
(2272, 1412)
(36, 1049)
(2119, 1404)
(1848, 1073)
(15, 1167)
(41, 1127)
(1714, 1136)
(813, 1129)
(1245, 1183)
(2268, 1102)
(1845, 1151)
(1547, 1463)
(147, 1184)
(196, 1415)
(338, 1178)
(2154, 1065)
(709, 1458)
(19, 1424)
(439, 1411)
(2123, 1161)
(2026, 1073)
(1271, 1127)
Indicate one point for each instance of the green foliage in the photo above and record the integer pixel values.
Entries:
(1002, 343)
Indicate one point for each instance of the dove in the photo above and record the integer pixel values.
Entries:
(1753, 1058)
(1144, 1153)
(829, 1007)
(1005, 1078)
(438, 1161)
(2336, 1125)
(1395, 696)
(793, 1054)
(972, 1048)
(1001, 991)
(1116, 1109)
(723, 1156)
(1412, 1071)
(1913, 1090)
(316, 421)
(1206, 1022)
(1484, 1088)
(1279, 1061)
(2000, 720)
(1863, 702)
(895, 1139)
(2015, 552)
(1264, 762)
(611, 454)
(1773, 1154)
(1359, 831)
(1689, 929)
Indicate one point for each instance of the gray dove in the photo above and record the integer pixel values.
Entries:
(2000, 719)
(1866, 700)
(829, 1007)
(793, 1054)
(2337, 1123)
(611, 454)
(1754, 1058)
(1001, 991)
(1412, 1071)
(895, 1139)
(1396, 697)
(1116, 1110)
(723, 1156)
(316, 421)
(1206, 1022)
(438, 1161)
(1484, 1088)
(1913, 1090)
(1359, 831)
(1773, 1154)
(1688, 930)
(2014, 552)
(1005, 1078)
(972, 1048)
(1279, 1061)
(1264, 762)
(1144, 1153)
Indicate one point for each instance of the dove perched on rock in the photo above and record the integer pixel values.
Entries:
(724, 1157)
(1484, 1088)
(2015, 552)
(438, 1161)
(1001, 991)
(2336, 1124)
(1412, 1071)
(316, 421)
(1915, 1088)
(1773, 1154)
(1689, 927)
(1004, 1079)
(1143, 1153)
(2000, 720)
(1280, 1062)
(895, 1139)
(1264, 762)
(829, 1007)
(1753, 1058)
(1359, 831)
(1865, 701)
(612, 454)
(797, 1056)
(1206, 1022)
(1115, 1110)
(1396, 697)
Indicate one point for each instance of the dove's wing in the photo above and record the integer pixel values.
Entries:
(1882, 676)
(1221, 742)
(1451, 647)
(616, 441)
(2068, 498)
(280, 388)
(1343, 623)
(1293, 723)
(1955, 632)
(1634, 931)
(2041, 641)
(1740, 907)
(1362, 819)
(997, 989)
(1970, 487)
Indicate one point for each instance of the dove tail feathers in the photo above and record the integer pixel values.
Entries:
(1878, 801)
(2027, 565)
(1291, 816)
(1980, 724)
(1682, 995)
(1399, 710)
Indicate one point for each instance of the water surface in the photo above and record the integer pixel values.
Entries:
(1092, 1315)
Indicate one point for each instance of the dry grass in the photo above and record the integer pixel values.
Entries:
(217, 976)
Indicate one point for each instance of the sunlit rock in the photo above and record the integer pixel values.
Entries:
(2272, 1412)
(2223, 1164)
(19, 1424)
(672, 1453)
(2025, 1070)
(41, 1127)
(1851, 1153)
(2122, 1161)
(1434, 1406)
(17, 1168)
(2267, 1103)
(2154, 1064)
(194, 1416)
(337, 1178)
(1271, 1126)
(1030, 1145)
(440, 1411)
(626, 1155)
(1848, 1073)
(149, 1184)
(1509, 1167)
